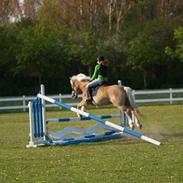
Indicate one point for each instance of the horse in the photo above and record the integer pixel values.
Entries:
(118, 95)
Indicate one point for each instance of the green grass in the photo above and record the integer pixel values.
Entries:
(125, 160)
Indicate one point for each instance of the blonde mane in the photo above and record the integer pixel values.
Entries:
(79, 77)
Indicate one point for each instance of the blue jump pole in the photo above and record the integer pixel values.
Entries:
(105, 122)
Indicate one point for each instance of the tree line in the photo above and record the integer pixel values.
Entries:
(45, 41)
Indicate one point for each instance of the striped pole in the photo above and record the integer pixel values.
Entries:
(105, 122)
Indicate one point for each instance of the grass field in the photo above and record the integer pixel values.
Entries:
(125, 160)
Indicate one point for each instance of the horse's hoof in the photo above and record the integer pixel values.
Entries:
(132, 127)
(140, 126)
(89, 101)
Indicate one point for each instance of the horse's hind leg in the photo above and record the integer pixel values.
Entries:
(128, 114)
(136, 120)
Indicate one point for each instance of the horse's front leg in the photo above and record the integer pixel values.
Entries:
(81, 106)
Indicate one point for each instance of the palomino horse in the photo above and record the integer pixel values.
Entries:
(120, 96)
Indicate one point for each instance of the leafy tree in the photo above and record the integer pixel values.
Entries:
(178, 51)
(7, 50)
(146, 51)
(40, 50)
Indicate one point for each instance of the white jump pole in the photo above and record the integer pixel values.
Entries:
(105, 122)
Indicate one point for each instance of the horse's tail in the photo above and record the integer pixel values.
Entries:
(131, 99)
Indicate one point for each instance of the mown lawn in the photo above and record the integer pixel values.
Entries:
(125, 160)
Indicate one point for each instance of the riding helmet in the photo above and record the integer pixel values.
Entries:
(100, 58)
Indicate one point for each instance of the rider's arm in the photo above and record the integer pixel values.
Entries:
(95, 74)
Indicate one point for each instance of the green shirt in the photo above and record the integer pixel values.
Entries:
(98, 73)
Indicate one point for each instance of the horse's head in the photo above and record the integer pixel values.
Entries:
(75, 88)
(76, 84)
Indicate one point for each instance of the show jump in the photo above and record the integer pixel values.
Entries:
(39, 134)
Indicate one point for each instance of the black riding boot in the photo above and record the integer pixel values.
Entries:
(90, 99)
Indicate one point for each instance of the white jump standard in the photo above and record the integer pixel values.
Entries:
(98, 119)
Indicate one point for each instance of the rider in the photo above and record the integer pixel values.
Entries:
(99, 76)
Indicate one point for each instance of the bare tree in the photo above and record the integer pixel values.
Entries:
(170, 8)
(9, 11)
(31, 7)
(111, 5)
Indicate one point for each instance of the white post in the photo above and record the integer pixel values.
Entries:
(171, 96)
(43, 111)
